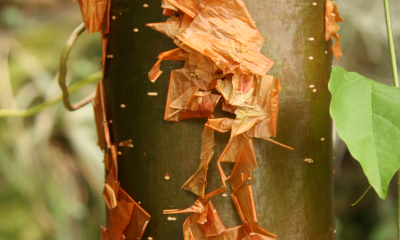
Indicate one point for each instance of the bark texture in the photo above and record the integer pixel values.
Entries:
(294, 199)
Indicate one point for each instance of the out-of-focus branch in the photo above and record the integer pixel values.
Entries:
(63, 71)
(36, 109)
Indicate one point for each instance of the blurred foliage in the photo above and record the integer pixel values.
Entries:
(365, 47)
(51, 171)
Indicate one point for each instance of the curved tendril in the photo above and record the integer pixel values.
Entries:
(63, 71)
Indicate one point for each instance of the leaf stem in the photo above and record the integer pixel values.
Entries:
(36, 109)
(396, 84)
(391, 45)
(361, 196)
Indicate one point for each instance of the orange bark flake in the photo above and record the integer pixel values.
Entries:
(93, 13)
(220, 124)
(220, 46)
(111, 190)
(336, 49)
(100, 117)
(127, 220)
(198, 181)
(257, 109)
(189, 7)
(193, 230)
(104, 45)
(332, 17)
(185, 99)
(176, 54)
(225, 32)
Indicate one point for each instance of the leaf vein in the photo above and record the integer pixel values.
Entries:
(348, 83)
(398, 129)
(352, 115)
(373, 133)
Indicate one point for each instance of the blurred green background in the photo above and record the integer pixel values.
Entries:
(51, 170)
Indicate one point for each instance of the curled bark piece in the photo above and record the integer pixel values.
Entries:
(104, 44)
(244, 165)
(228, 108)
(175, 54)
(119, 218)
(332, 17)
(245, 162)
(202, 68)
(207, 217)
(244, 203)
(111, 190)
(110, 160)
(220, 124)
(93, 13)
(171, 27)
(126, 143)
(336, 49)
(108, 16)
(167, 5)
(100, 116)
(186, 107)
(232, 151)
(225, 32)
(212, 223)
(109, 196)
(198, 181)
(168, 12)
(139, 220)
(197, 207)
(267, 101)
(104, 234)
(182, 102)
(127, 220)
(257, 109)
(192, 230)
(215, 192)
(189, 7)
(274, 106)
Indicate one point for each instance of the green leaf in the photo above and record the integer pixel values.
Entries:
(367, 116)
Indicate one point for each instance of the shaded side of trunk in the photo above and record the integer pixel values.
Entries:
(294, 199)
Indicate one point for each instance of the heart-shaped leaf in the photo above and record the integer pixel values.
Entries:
(367, 116)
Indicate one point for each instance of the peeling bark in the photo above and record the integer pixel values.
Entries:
(293, 198)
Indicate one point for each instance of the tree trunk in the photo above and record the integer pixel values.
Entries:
(294, 198)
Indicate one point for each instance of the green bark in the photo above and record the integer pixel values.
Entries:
(294, 199)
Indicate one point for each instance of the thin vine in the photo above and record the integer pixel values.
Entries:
(94, 77)
(63, 71)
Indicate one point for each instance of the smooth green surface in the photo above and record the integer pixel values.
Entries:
(294, 199)
(367, 113)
